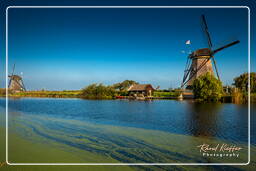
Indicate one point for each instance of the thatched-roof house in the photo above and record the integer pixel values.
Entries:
(141, 90)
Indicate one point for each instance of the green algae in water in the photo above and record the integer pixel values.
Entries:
(32, 138)
(96, 143)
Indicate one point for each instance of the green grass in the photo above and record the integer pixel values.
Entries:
(165, 94)
(76, 94)
(55, 94)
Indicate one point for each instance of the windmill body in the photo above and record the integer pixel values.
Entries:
(16, 83)
(199, 57)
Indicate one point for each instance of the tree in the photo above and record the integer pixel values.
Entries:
(98, 91)
(207, 88)
(124, 85)
(241, 82)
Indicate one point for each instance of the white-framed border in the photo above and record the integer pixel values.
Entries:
(6, 33)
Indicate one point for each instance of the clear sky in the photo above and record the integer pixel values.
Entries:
(60, 49)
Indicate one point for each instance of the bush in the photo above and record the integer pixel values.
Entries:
(241, 82)
(207, 88)
(98, 91)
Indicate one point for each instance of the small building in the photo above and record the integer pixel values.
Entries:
(141, 90)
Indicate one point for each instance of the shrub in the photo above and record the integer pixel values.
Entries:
(207, 88)
(98, 91)
(241, 82)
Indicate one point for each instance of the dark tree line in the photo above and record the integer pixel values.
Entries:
(241, 82)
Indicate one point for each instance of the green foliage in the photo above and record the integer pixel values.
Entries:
(121, 88)
(98, 91)
(163, 93)
(207, 88)
(124, 85)
(241, 82)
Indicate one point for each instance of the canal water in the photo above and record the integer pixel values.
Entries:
(125, 131)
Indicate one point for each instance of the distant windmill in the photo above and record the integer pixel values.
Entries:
(15, 82)
(199, 61)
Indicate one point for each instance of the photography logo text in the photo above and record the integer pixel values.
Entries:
(219, 150)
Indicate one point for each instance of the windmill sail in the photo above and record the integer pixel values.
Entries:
(200, 61)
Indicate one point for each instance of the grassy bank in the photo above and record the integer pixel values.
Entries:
(166, 93)
(81, 94)
(54, 94)
(156, 94)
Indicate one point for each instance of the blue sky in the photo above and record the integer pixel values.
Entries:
(60, 49)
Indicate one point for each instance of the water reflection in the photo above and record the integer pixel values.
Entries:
(226, 121)
(203, 118)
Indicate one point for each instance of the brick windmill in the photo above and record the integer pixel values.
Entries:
(199, 62)
(15, 82)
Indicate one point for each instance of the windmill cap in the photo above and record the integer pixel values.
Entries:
(16, 77)
(201, 52)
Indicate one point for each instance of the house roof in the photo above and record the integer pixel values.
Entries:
(140, 87)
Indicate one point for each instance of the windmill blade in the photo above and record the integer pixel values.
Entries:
(215, 66)
(9, 84)
(23, 85)
(186, 74)
(187, 70)
(13, 68)
(193, 73)
(226, 46)
(207, 32)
